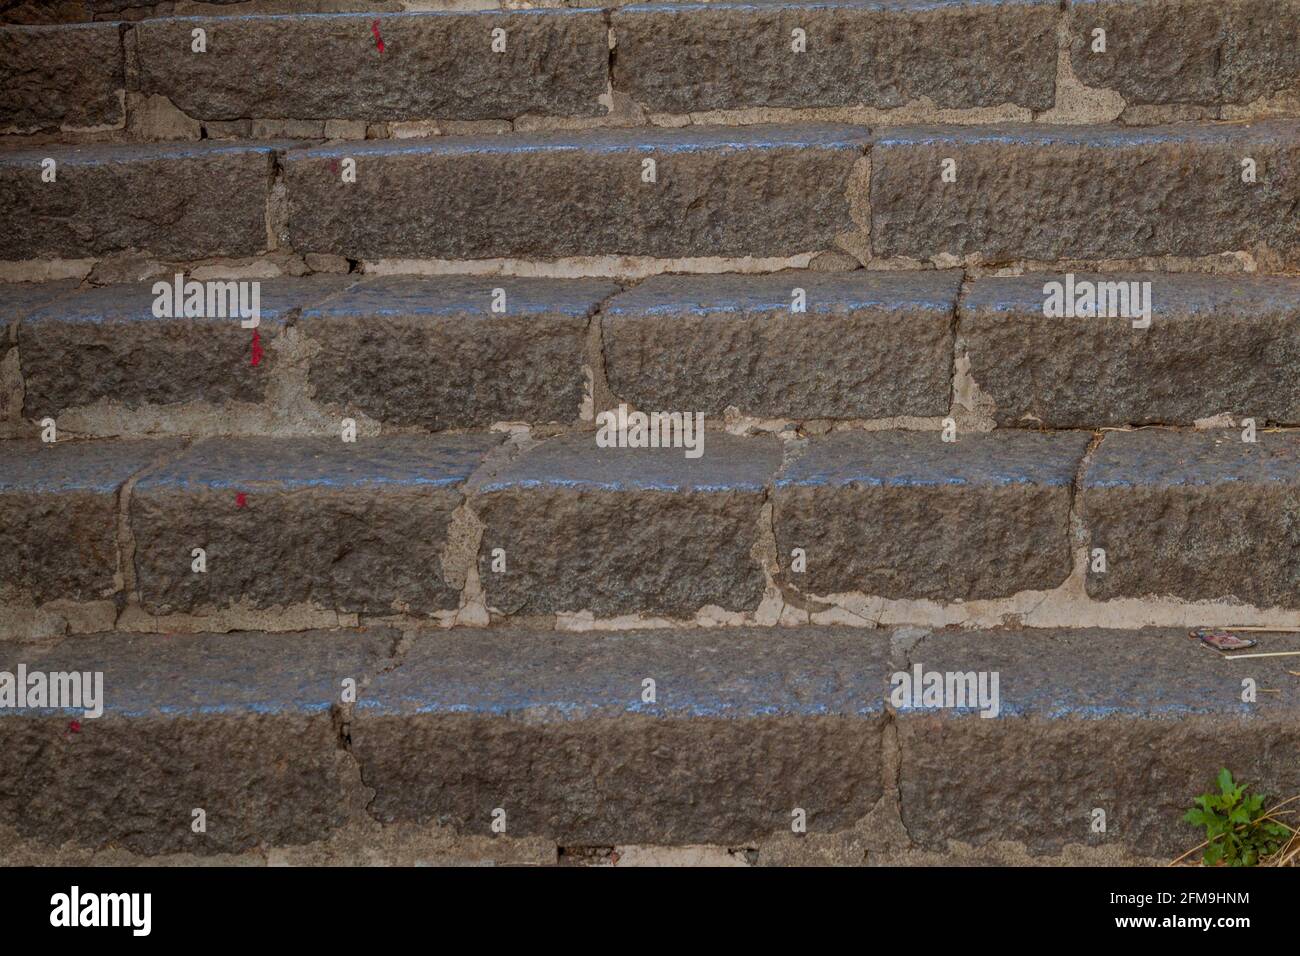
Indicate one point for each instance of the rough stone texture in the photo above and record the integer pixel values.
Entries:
(1040, 192)
(870, 344)
(551, 727)
(1199, 515)
(61, 76)
(622, 530)
(44, 11)
(1183, 51)
(18, 299)
(755, 190)
(58, 516)
(1216, 344)
(1135, 723)
(440, 64)
(239, 725)
(349, 527)
(431, 352)
(58, 11)
(684, 57)
(747, 725)
(907, 515)
(183, 202)
(106, 343)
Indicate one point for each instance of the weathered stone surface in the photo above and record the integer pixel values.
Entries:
(438, 64)
(622, 530)
(140, 9)
(239, 725)
(1216, 344)
(907, 515)
(684, 57)
(1053, 192)
(755, 190)
(552, 727)
(431, 352)
(58, 516)
(106, 343)
(348, 527)
(1135, 723)
(870, 344)
(43, 11)
(18, 299)
(183, 202)
(747, 725)
(57, 76)
(1182, 51)
(1196, 515)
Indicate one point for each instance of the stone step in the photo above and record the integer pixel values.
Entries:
(427, 526)
(437, 65)
(106, 344)
(632, 737)
(176, 201)
(76, 11)
(1182, 51)
(1040, 192)
(615, 531)
(763, 191)
(795, 344)
(280, 521)
(1021, 193)
(689, 57)
(671, 58)
(426, 352)
(1202, 514)
(431, 352)
(1216, 345)
(766, 191)
(908, 515)
(668, 58)
(304, 522)
(69, 75)
(60, 508)
(239, 726)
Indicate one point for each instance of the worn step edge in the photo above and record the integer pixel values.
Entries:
(773, 349)
(1043, 529)
(564, 737)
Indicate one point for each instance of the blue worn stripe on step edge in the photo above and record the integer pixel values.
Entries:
(601, 142)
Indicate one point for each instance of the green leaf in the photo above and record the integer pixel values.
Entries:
(1225, 780)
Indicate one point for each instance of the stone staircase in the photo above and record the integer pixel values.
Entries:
(366, 582)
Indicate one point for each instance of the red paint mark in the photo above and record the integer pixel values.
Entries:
(241, 500)
(334, 165)
(257, 348)
(74, 727)
(379, 41)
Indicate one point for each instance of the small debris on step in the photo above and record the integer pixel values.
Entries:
(1221, 640)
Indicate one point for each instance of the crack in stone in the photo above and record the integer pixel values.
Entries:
(128, 585)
